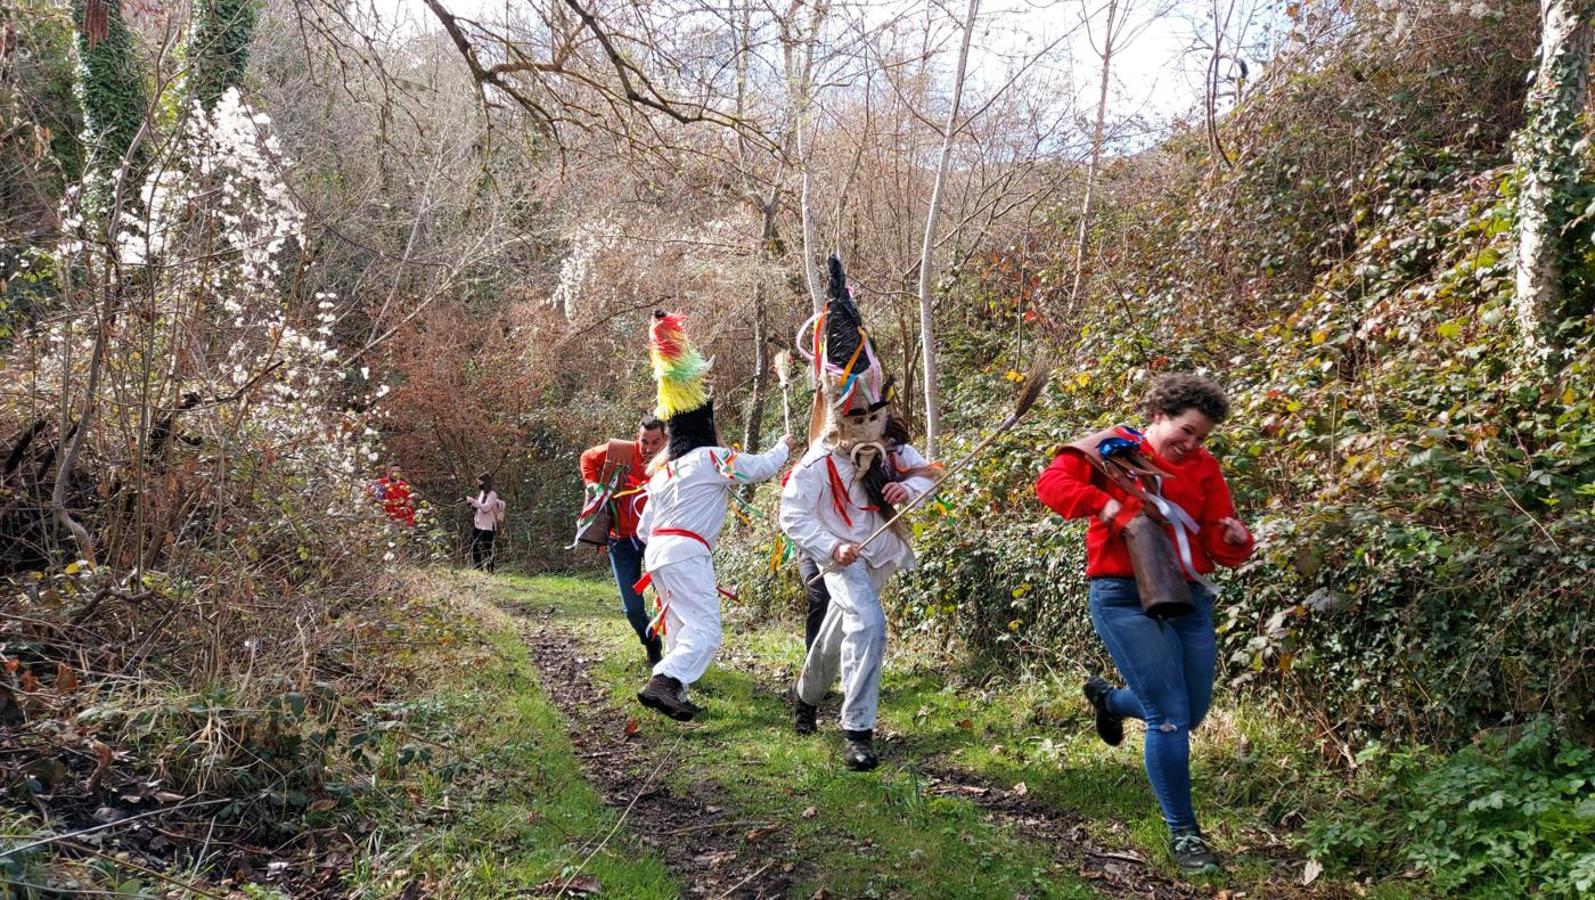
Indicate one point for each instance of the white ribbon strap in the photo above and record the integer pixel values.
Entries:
(1184, 527)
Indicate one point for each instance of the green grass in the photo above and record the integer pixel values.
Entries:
(507, 809)
(881, 834)
(875, 834)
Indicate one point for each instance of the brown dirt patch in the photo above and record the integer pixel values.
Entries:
(695, 833)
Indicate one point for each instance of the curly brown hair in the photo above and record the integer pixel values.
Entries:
(1174, 394)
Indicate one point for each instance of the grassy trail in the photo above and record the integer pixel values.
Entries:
(980, 793)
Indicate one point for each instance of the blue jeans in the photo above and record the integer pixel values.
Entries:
(625, 558)
(1169, 668)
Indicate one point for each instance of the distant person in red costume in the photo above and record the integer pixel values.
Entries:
(393, 492)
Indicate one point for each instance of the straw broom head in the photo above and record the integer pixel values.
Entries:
(1040, 373)
(783, 368)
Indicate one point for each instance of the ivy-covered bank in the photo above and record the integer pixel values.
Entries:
(1422, 485)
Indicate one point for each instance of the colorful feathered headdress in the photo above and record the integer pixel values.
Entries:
(683, 400)
(678, 367)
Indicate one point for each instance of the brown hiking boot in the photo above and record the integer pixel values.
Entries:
(663, 694)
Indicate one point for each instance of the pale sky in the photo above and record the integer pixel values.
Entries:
(1153, 76)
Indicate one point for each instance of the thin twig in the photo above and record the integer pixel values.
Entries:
(621, 820)
(709, 826)
(750, 877)
(72, 834)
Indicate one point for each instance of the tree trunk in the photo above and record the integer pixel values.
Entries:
(761, 328)
(926, 325)
(1097, 134)
(801, 77)
(1548, 163)
(111, 90)
(219, 49)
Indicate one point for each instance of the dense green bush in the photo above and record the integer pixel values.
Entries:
(1510, 815)
(1422, 492)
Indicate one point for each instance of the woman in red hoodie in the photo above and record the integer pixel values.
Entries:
(1168, 665)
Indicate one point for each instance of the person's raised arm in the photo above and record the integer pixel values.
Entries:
(758, 467)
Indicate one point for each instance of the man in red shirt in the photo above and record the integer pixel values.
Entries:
(628, 477)
(1167, 663)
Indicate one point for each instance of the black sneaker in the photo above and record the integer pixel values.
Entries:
(803, 715)
(1109, 726)
(656, 652)
(1192, 854)
(663, 694)
(859, 754)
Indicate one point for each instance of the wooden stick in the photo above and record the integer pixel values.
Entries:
(1039, 373)
(783, 375)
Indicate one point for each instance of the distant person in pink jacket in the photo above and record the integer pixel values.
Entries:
(485, 521)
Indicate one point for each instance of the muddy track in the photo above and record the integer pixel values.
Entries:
(698, 837)
(702, 842)
(1115, 873)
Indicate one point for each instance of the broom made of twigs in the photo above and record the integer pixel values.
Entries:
(1034, 382)
(783, 375)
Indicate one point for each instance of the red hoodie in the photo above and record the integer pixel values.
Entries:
(1074, 490)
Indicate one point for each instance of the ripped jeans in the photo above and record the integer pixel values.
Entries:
(1169, 668)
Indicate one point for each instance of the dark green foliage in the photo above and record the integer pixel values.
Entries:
(1511, 815)
(112, 92)
(1423, 497)
(219, 49)
(40, 154)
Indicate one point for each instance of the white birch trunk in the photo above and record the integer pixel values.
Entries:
(1097, 134)
(1547, 160)
(927, 331)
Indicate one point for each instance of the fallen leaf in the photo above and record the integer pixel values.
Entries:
(29, 683)
(810, 813)
(965, 723)
(168, 797)
(102, 762)
(324, 804)
(1021, 789)
(1311, 871)
(632, 725)
(762, 832)
(582, 885)
(65, 679)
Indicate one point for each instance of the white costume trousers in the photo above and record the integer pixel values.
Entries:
(692, 617)
(851, 642)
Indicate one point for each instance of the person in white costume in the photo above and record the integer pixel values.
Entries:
(839, 494)
(687, 497)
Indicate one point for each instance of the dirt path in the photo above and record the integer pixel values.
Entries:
(714, 852)
(701, 840)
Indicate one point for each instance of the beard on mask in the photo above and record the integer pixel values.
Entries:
(861, 435)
